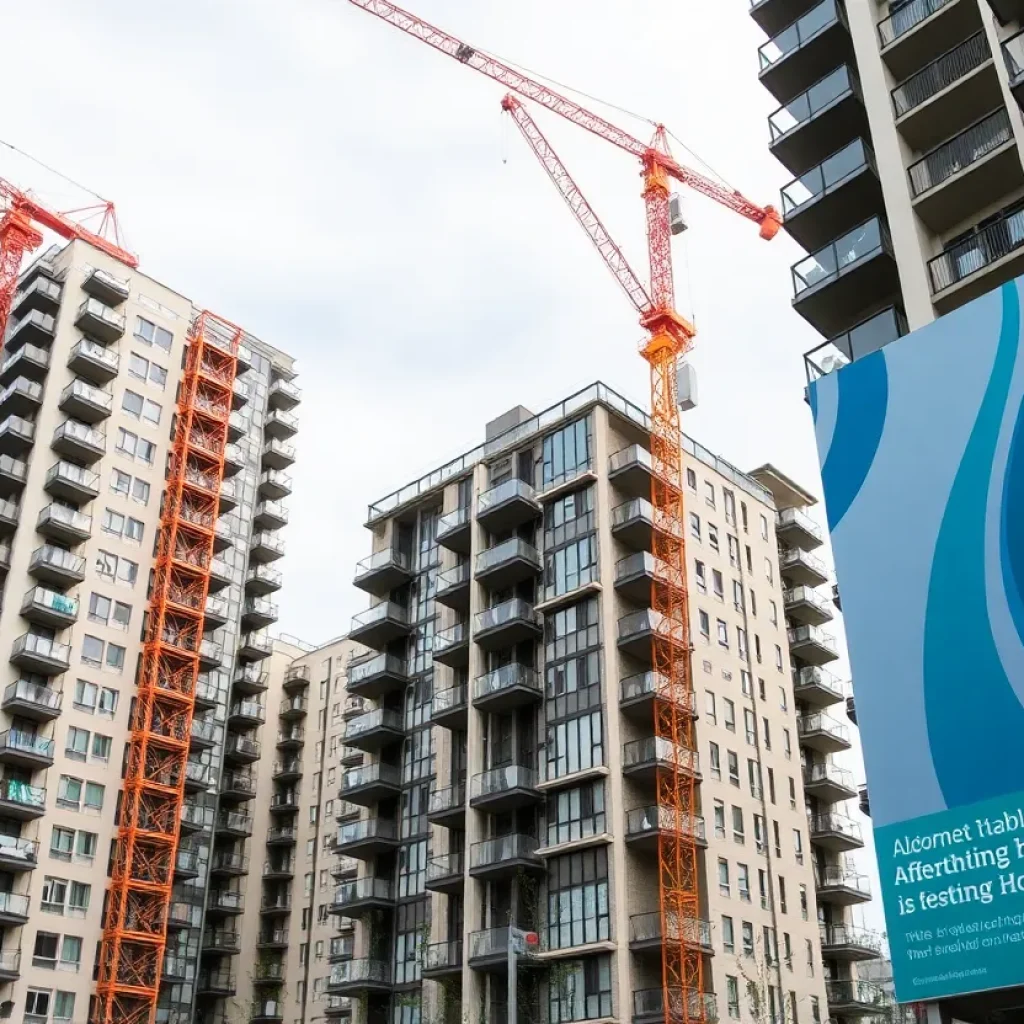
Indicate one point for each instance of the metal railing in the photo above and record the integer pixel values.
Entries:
(380, 613)
(799, 33)
(828, 263)
(836, 876)
(506, 551)
(797, 556)
(843, 935)
(832, 171)
(654, 749)
(641, 821)
(828, 772)
(841, 82)
(862, 992)
(44, 647)
(977, 251)
(941, 73)
(838, 823)
(645, 927)
(80, 521)
(808, 724)
(970, 146)
(812, 635)
(452, 520)
(376, 771)
(907, 17)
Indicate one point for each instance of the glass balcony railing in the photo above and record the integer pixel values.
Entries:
(802, 31)
(829, 263)
(809, 104)
(33, 693)
(452, 520)
(828, 175)
(351, 972)
(812, 635)
(828, 773)
(453, 636)
(863, 993)
(501, 780)
(41, 646)
(26, 743)
(448, 799)
(795, 556)
(445, 865)
(655, 749)
(367, 774)
(643, 820)
(15, 792)
(508, 677)
(100, 311)
(684, 1004)
(978, 250)
(379, 663)
(507, 490)
(843, 935)
(820, 723)
(794, 517)
(834, 823)
(77, 475)
(941, 73)
(838, 876)
(381, 718)
(960, 152)
(79, 390)
(648, 928)
(363, 889)
(79, 522)
(515, 610)
(367, 828)
(507, 551)
(807, 596)
(649, 684)
(909, 16)
(503, 848)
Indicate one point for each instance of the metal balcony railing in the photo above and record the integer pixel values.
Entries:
(828, 772)
(645, 927)
(834, 823)
(643, 820)
(981, 249)
(909, 16)
(953, 156)
(806, 724)
(941, 73)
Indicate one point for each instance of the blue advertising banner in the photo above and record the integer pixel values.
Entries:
(922, 459)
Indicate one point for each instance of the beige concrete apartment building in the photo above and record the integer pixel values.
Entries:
(88, 379)
(900, 123)
(510, 752)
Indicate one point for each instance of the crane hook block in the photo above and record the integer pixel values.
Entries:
(771, 223)
(676, 220)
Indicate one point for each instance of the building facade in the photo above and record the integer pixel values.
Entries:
(511, 762)
(88, 380)
(900, 123)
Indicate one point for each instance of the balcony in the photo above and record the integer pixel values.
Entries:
(819, 122)
(507, 564)
(276, 903)
(382, 572)
(281, 425)
(198, 776)
(239, 749)
(506, 624)
(246, 714)
(194, 817)
(828, 782)
(22, 397)
(510, 686)
(225, 901)
(95, 363)
(49, 608)
(834, 285)
(29, 361)
(802, 569)
(278, 454)
(453, 587)
(840, 942)
(638, 693)
(488, 950)
(240, 392)
(633, 524)
(40, 654)
(447, 806)
(67, 525)
(228, 495)
(221, 941)
(17, 435)
(377, 675)
(238, 785)
(269, 973)
(840, 886)
(10, 516)
(40, 294)
(454, 530)
(857, 999)
(251, 680)
(106, 287)
(31, 700)
(287, 770)
(375, 729)
(684, 1004)
(507, 506)
(646, 934)
(795, 58)
(263, 580)
(12, 475)
(637, 633)
(99, 320)
(283, 394)
(270, 515)
(631, 469)
(35, 328)
(359, 976)
(504, 789)
(25, 749)
(58, 566)
(204, 733)
(17, 854)
(284, 802)
(255, 645)
(812, 646)
(21, 801)
(362, 896)
(644, 825)
(981, 160)
(380, 625)
(991, 255)
(635, 575)
(796, 529)
(835, 832)
(822, 733)
(451, 645)
(72, 483)
(275, 485)
(913, 33)
(443, 959)
(216, 611)
(211, 653)
(293, 708)
(367, 838)
(371, 783)
(14, 908)
(643, 758)
(448, 708)
(446, 873)
(772, 16)
(806, 606)
(84, 402)
(944, 97)
(282, 835)
(291, 737)
(266, 547)
(279, 869)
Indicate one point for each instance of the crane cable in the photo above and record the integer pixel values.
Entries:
(53, 170)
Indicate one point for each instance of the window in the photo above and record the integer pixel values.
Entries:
(131, 403)
(37, 1002)
(749, 557)
(695, 526)
(757, 648)
(71, 953)
(728, 934)
(705, 624)
(120, 483)
(787, 744)
(122, 616)
(737, 595)
(815, 1007)
(743, 881)
(762, 889)
(723, 876)
(54, 895)
(85, 845)
(803, 901)
(773, 612)
(140, 491)
(743, 517)
(766, 733)
(92, 650)
(115, 657)
(782, 895)
(729, 501)
(787, 954)
(709, 493)
(732, 993)
(741, 642)
(734, 552)
(750, 726)
(748, 938)
(754, 777)
(99, 608)
(44, 952)
(702, 582)
(138, 366)
(729, 718)
(713, 535)
(723, 633)
(127, 571)
(761, 691)
(583, 991)
(113, 522)
(566, 452)
(151, 411)
(570, 567)
(747, 684)
(576, 813)
(62, 843)
(94, 796)
(753, 603)
(738, 834)
(734, 768)
(106, 564)
(809, 947)
(101, 747)
(719, 819)
(691, 479)
(148, 332)
(127, 442)
(578, 909)
(575, 745)
(798, 845)
(709, 707)
(134, 530)
(783, 699)
(778, 657)
(108, 698)
(771, 784)
(759, 840)
(792, 792)
(719, 584)
(76, 743)
(764, 527)
(716, 761)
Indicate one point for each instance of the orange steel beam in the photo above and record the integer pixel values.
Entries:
(139, 896)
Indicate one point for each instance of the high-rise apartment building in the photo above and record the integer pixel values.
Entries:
(89, 374)
(900, 123)
(511, 760)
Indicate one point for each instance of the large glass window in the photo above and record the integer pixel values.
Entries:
(410, 925)
(576, 813)
(566, 452)
(578, 899)
(574, 745)
(583, 991)
(412, 869)
(571, 630)
(570, 567)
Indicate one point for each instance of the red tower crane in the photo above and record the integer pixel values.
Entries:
(670, 335)
(20, 212)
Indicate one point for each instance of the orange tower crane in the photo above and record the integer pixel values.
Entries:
(669, 337)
